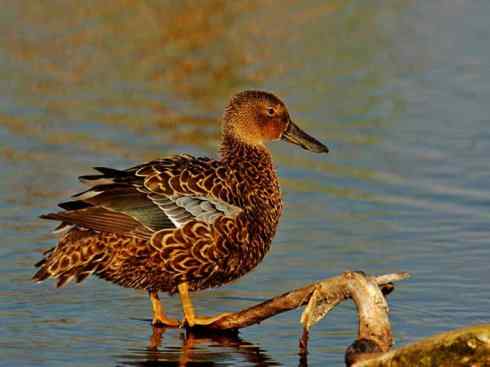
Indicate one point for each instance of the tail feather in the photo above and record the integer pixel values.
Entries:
(108, 176)
(65, 278)
(81, 276)
(49, 251)
(42, 273)
(77, 256)
(40, 263)
(110, 172)
(82, 252)
(73, 205)
(52, 216)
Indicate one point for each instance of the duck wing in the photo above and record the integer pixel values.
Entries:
(161, 194)
(187, 188)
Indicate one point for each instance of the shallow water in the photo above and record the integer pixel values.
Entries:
(398, 89)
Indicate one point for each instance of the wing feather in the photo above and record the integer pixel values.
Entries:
(103, 220)
(166, 193)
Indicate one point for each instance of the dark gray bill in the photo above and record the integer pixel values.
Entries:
(295, 135)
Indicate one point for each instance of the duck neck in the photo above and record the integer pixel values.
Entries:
(234, 152)
(254, 176)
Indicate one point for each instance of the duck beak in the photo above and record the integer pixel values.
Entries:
(295, 135)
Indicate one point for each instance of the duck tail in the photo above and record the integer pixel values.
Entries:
(77, 256)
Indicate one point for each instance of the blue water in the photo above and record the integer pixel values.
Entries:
(397, 89)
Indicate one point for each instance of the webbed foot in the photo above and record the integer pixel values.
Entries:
(202, 320)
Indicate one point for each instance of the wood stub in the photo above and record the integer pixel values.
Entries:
(374, 330)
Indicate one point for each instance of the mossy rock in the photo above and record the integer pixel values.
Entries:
(469, 346)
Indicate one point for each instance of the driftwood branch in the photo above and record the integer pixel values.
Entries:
(368, 293)
(334, 290)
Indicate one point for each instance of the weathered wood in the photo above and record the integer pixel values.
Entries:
(335, 289)
(469, 346)
(374, 331)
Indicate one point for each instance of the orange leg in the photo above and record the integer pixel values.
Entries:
(190, 317)
(159, 317)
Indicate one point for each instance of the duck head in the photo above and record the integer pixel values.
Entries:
(256, 117)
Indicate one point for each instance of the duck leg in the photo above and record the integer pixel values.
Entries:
(159, 317)
(190, 317)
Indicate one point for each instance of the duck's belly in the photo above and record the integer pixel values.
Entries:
(234, 267)
(203, 256)
(153, 273)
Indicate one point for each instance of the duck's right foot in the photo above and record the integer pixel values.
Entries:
(203, 320)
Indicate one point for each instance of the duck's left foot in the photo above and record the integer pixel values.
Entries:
(159, 317)
(203, 320)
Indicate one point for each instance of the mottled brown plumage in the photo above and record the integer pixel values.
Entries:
(181, 223)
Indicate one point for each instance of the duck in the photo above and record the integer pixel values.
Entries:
(180, 224)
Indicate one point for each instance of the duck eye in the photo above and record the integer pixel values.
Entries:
(270, 111)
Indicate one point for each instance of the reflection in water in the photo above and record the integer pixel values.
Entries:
(196, 350)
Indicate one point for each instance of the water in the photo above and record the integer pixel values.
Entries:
(399, 91)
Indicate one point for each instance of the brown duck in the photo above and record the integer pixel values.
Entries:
(181, 224)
